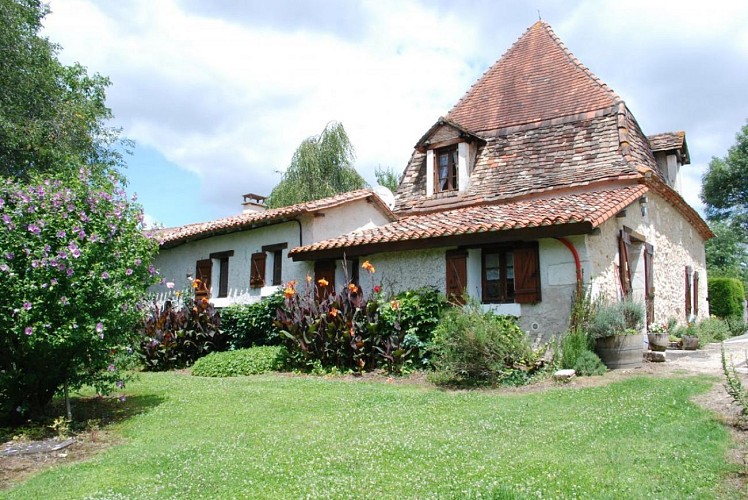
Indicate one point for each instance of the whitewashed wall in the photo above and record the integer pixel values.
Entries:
(398, 271)
(178, 263)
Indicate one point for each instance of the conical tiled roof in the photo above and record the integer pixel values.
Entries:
(536, 80)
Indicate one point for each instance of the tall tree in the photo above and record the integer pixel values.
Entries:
(387, 177)
(321, 166)
(52, 116)
(725, 193)
(725, 185)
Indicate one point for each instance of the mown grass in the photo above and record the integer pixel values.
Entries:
(277, 436)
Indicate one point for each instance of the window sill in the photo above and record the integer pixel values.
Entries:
(504, 309)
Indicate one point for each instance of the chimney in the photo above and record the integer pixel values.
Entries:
(253, 203)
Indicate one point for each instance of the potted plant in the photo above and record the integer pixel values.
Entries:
(658, 336)
(616, 330)
(690, 338)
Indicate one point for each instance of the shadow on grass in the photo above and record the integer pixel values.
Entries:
(89, 413)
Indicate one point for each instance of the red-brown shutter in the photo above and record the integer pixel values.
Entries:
(324, 269)
(203, 270)
(257, 271)
(526, 274)
(688, 292)
(696, 293)
(649, 282)
(624, 264)
(456, 276)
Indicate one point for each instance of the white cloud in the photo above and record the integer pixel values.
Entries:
(227, 90)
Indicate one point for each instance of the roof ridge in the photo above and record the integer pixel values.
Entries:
(516, 86)
(577, 62)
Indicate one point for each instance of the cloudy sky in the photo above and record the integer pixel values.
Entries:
(217, 94)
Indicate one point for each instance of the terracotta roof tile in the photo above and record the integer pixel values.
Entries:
(592, 208)
(667, 141)
(174, 236)
(537, 79)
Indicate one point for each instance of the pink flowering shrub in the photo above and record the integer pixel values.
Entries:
(74, 263)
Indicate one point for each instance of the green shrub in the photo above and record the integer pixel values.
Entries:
(618, 318)
(712, 330)
(247, 325)
(573, 344)
(588, 363)
(476, 348)
(251, 361)
(415, 316)
(736, 325)
(726, 296)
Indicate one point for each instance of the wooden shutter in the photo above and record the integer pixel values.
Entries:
(688, 292)
(649, 282)
(257, 270)
(324, 269)
(223, 278)
(624, 263)
(277, 267)
(695, 293)
(203, 270)
(526, 274)
(456, 276)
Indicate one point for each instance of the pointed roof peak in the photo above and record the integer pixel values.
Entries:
(536, 80)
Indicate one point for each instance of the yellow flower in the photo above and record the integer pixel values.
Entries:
(323, 282)
(290, 292)
(333, 312)
(196, 283)
(177, 293)
(352, 287)
(367, 265)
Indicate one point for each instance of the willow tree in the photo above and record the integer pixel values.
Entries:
(321, 166)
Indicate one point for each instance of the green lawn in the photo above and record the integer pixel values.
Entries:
(277, 436)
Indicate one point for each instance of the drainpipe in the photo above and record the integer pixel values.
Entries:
(568, 244)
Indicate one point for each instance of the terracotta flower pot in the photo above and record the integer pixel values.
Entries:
(658, 341)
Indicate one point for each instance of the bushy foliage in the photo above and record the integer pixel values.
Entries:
(175, 336)
(247, 325)
(74, 265)
(589, 364)
(734, 386)
(413, 315)
(251, 361)
(726, 296)
(573, 345)
(617, 318)
(348, 330)
(713, 330)
(472, 347)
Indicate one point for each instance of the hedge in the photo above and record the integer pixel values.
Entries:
(726, 297)
(252, 361)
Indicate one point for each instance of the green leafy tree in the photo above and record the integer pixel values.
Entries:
(725, 185)
(725, 193)
(74, 264)
(387, 177)
(52, 116)
(727, 253)
(322, 166)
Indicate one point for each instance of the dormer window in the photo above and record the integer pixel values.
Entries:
(446, 172)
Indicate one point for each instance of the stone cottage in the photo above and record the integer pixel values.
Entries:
(537, 181)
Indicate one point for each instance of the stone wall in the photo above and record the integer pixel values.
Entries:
(676, 245)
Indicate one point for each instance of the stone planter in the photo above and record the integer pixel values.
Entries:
(690, 342)
(658, 341)
(620, 351)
